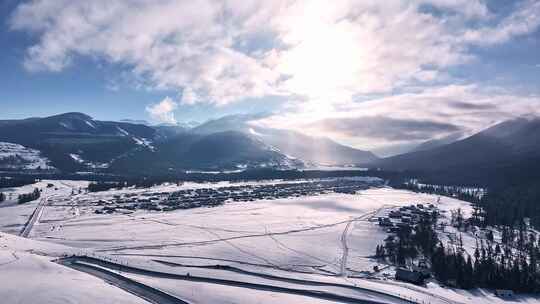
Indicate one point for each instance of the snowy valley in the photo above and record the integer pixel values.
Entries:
(316, 248)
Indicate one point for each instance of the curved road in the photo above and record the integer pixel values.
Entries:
(98, 265)
(150, 294)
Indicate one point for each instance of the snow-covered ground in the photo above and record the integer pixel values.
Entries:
(31, 278)
(15, 156)
(303, 234)
(327, 239)
(13, 216)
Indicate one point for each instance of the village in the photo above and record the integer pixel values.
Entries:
(211, 197)
(406, 242)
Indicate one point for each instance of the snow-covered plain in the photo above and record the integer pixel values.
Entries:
(27, 275)
(327, 238)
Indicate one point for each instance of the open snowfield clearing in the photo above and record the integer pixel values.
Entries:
(306, 234)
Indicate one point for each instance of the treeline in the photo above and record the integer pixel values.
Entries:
(494, 266)
(2, 197)
(513, 264)
(104, 186)
(28, 197)
(501, 206)
(462, 193)
(16, 182)
(248, 175)
(509, 206)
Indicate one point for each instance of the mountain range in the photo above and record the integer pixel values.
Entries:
(74, 142)
(503, 143)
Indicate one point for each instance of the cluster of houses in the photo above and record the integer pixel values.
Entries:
(208, 197)
(408, 217)
(405, 217)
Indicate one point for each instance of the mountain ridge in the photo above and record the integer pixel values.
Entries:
(487, 155)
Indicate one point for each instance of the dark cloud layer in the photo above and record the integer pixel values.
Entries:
(378, 127)
(462, 105)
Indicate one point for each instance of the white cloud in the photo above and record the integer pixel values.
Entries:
(189, 96)
(323, 51)
(525, 19)
(169, 44)
(163, 111)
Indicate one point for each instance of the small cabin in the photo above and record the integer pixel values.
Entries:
(504, 293)
(385, 222)
(406, 275)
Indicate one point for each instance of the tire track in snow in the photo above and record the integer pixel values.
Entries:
(206, 242)
(345, 256)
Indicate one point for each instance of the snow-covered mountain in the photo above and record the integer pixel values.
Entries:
(313, 150)
(229, 150)
(76, 142)
(60, 137)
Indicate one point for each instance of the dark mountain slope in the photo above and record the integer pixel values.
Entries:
(321, 151)
(217, 151)
(506, 152)
(435, 143)
(506, 142)
(60, 137)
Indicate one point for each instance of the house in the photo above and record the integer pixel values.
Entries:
(394, 214)
(422, 269)
(504, 293)
(385, 222)
(406, 275)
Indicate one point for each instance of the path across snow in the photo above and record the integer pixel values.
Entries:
(36, 215)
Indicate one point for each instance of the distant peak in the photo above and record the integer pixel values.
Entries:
(136, 121)
(73, 115)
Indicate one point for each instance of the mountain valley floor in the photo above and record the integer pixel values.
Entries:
(311, 249)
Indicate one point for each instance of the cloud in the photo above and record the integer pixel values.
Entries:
(163, 111)
(467, 105)
(392, 129)
(178, 45)
(525, 19)
(409, 118)
(222, 52)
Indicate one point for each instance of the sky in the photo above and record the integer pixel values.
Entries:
(377, 75)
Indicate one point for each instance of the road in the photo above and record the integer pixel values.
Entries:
(343, 239)
(345, 249)
(97, 265)
(150, 294)
(36, 215)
